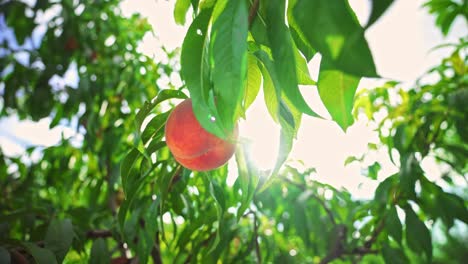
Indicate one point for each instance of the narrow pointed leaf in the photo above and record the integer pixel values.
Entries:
(284, 61)
(393, 225)
(194, 71)
(254, 80)
(59, 237)
(394, 255)
(418, 236)
(99, 252)
(229, 58)
(378, 8)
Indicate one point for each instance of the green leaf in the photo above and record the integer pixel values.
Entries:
(154, 126)
(254, 80)
(382, 193)
(271, 90)
(194, 70)
(149, 106)
(331, 28)
(298, 37)
(180, 11)
(418, 236)
(217, 192)
(127, 165)
(99, 252)
(410, 172)
(17, 19)
(378, 8)
(337, 89)
(59, 237)
(248, 179)
(229, 57)
(147, 233)
(284, 60)
(394, 255)
(302, 70)
(4, 256)
(453, 206)
(40, 255)
(393, 224)
(373, 170)
(351, 159)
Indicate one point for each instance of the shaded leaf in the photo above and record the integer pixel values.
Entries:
(99, 252)
(298, 37)
(331, 28)
(378, 8)
(394, 255)
(382, 192)
(40, 255)
(418, 236)
(59, 237)
(393, 224)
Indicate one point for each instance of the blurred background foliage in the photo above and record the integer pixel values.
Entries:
(112, 193)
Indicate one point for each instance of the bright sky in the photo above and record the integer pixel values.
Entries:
(400, 42)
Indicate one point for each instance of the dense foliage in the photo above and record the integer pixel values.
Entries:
(112, 192)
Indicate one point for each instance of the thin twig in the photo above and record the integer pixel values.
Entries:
(257, 246)
(155, 252)
(253, 11)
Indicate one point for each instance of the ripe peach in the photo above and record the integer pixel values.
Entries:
(192, 146)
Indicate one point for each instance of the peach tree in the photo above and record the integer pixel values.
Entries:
(112, 192)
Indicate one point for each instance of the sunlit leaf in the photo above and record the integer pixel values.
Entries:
(228, 49)
(180, 11)
(254, 80)
(284, 62)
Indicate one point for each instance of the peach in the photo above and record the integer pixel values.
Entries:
(191, 145)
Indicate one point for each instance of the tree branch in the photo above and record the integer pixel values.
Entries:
(98, 234)
(155, 252)
(253, 11)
